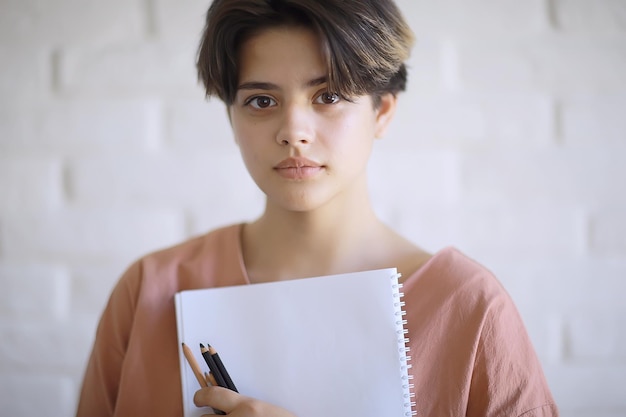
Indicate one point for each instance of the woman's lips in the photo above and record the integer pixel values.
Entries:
(298, 168)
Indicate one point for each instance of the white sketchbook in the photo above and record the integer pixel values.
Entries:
(330, 346)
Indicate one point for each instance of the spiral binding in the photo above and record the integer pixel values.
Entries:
(403, 348)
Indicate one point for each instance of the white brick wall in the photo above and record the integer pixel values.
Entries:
(511, 142)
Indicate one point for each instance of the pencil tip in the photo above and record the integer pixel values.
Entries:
(201, 346)
(183, 343)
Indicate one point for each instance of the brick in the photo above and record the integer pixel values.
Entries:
(513, 231)
(32, 394)
(81, 126)
(608, 232)
(588, 387)
(546, 333)
(431, 226)
(33, 292)
(494, 66)
(194, 180)
(593, 286)
(597, 337)
(598, 16)
(594, 119)
(428, 67)
(81, 234)
(180, 19)
(592, 411)
(489, 232)
(473, 120)
(591, 65)
(149, 68)
(71, 21)
(246, 208)
(234, 197)
(96, 126)
(434, 177)
(190, 179)
(563, 176)
(447, 18)
(16, 126)
(26, 75)
(24, 348)
(519, 120)
(554, 64)
(30, 183)
(91, 286)
(193, 125)
(438, 120)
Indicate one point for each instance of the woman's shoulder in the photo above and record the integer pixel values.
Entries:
(453, 281)
(210, 259)
(452, 267)
(460, 314)
(212, 243)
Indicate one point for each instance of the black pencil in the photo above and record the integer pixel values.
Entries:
(220, 366)
(215, 371)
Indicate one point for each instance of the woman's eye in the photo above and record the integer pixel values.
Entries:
(327, 98)
(261, 102)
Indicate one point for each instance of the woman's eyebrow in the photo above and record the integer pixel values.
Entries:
(317, 81)
(257, 85)
(260, 85)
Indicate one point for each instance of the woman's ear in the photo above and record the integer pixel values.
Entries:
(384, 113)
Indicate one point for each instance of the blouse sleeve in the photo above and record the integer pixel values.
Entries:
(507, 378)
(102, 375)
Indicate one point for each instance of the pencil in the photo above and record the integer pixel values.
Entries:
(213, 366)
(220, 366)
(214, 376)
(210, 379)
(191, 360)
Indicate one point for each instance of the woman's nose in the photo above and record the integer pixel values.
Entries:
(296, 126)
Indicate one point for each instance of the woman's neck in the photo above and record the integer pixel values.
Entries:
(285, 244)
(299, 245)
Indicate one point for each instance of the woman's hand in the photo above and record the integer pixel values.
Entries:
(236, 405)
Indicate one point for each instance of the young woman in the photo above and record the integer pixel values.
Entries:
(309, 85)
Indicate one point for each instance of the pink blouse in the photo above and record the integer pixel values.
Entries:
(471, 353)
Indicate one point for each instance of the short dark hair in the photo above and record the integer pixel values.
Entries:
(365, 42)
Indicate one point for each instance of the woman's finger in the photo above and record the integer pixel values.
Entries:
(217, 398)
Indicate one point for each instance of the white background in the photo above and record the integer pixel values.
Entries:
(509, 144)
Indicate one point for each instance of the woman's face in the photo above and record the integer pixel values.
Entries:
(303, 145)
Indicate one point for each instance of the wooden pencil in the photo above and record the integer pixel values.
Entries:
(191, 360)
(210, 379)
